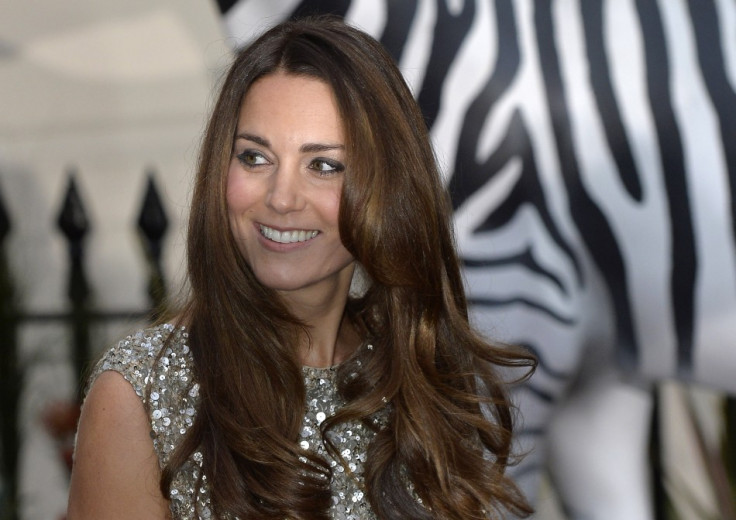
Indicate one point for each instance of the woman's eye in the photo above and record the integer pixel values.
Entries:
(325, 166)
(251, 158)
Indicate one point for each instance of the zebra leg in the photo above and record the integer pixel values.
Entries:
(598, 449)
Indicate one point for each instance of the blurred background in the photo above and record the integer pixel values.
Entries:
(546, 117)
(110, 96)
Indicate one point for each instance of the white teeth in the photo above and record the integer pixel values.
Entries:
(287, 237)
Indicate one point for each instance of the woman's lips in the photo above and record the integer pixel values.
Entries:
(287, 236)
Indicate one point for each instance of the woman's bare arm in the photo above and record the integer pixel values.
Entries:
(116, 471)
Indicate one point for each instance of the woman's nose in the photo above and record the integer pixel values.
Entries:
(285, 193)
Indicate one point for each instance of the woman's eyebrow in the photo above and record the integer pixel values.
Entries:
(317, 147)
(254, 138)
(305, 148)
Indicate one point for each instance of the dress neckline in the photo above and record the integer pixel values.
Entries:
(331, 370)
(320, 372)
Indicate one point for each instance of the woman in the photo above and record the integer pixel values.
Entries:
(280, 392)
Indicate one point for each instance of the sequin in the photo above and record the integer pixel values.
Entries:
(172, 403)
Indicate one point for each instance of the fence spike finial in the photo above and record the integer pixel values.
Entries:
(152, 220)
(72, 219)
(4, 220)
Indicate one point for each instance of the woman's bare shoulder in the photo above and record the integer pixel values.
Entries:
(116, 471)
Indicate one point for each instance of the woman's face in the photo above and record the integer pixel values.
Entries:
(284, 184)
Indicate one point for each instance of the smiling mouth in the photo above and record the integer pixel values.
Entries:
(287, 237)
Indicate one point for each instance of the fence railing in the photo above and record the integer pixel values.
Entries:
(80, 316)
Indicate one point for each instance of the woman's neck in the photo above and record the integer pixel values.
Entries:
(324, 349)
(330, 337)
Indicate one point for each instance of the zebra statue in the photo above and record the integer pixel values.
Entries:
(590, 149)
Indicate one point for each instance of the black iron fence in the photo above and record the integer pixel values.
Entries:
(79, 318)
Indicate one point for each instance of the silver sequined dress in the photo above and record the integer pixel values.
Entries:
(174, 395)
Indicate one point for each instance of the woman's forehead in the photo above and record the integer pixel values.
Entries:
(287, 106)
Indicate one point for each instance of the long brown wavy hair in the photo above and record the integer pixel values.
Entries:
(449, 430)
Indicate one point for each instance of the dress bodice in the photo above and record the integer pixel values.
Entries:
(172, 401)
